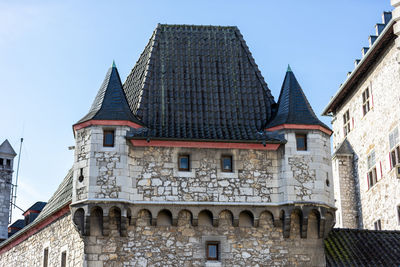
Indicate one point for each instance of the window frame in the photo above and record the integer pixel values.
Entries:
(1, 162)
(371, 174)
(304, 137)
(212, 243)
(108, 131)
(398, 213)
(222, 163)
(366, 103)
(64, 260)
(394, 145)
(179, 163)
(378, 225)
(46, 257)
(346, 123)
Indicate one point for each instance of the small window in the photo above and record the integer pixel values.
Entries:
(45, 257)
(8, 162)
(108, 138)
(64, 259)
(1, 162)
(212, 250)
(346, 123)
(398, 214)
(365, 96)
(378, 225)
(372, 177)
(226, 162)
(184, 163)
(301, 142)
(394, 147)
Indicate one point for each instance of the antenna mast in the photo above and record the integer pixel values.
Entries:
(14, 186)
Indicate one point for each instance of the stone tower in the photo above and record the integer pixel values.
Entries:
(7, 155)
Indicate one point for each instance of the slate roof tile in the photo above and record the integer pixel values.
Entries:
(354, 247)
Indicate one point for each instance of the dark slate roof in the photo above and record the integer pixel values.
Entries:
(344, 148)
(110, 102)
(293, 106)
(199, 82)
(60, 199)
(18, 224)
(353, 247)
(38, 206)
(6, 148)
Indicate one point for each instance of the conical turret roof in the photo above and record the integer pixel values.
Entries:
(293, 106)
(110, 102)
(6, 148)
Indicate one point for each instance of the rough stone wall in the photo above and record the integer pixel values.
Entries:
(306, 175)
(5, 191)
(184, 245)
(58, 237)
(155, 175)
(345, 193)
(371, 132)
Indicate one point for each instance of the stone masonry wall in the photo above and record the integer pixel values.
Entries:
(58, 237)
(184, 245)
(371, 133)
(155, 175)
(5, 191)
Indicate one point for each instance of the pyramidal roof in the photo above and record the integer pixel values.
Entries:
(293, 106)
(110, 102)
(6, 148)
(199, 82)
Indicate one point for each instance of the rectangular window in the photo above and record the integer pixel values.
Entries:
(365, 96)
(226, 163)
(64, 259)
(212, 250)
(301, 142)
(394, 147)
(184, 163)
(372, 177)
(378, 225)
(346, 123)
(108, 138)
(8, 162)
(1, 162)
(45, 257)
(398, 214)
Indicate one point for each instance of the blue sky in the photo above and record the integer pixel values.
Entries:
(55, 54)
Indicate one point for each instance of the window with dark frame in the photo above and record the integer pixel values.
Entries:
(184, 163)
(226, 163)
(8, 162)
(64, 259)
(301, 142)
(45, 257)
(1, 162)
(394, 148)
(108, 138)
(372, 177)
(378, 225)
(346, 123)
(365, 97)
(212, 251)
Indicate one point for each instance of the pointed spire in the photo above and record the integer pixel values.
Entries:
(113, 65)
(293, 106)
(288, 68)
(111, 102)
(6, 149)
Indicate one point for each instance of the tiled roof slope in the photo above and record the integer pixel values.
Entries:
(199, 82)
(293, 106)
(110, 102)
(60, 199)
(353, 247)
(38, 206)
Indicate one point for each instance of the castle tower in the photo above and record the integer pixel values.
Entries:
(7, 155)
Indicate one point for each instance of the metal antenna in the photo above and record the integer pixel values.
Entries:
(14, 186)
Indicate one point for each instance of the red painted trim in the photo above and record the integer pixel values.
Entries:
(372, 97)
(300, 127)
(30, 211)
(390, 161)
(380, 165)
(352, 122)
(64, 210)
(106, 122)
(368, 180)
(193, 144)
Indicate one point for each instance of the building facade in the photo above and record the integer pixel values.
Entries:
(365, 117)
(190, 162)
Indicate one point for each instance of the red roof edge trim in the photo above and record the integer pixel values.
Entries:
(58, 214)
(30, 211)
(194, 144)
(300, 127)
(105, 122)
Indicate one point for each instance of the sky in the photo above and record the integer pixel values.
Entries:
(54, 56)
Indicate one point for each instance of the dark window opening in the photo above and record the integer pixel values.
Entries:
(184, 163)
(45, 257)
(398, 213)
(212, 250)
(64, 259)
(1, 162)
(226, 162)
(372, 177)
(365, 96)
(108, 138)
(378, 225)
(81, 175)
(301, 142)
(8, 162)
(346, 123)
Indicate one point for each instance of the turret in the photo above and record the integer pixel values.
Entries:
(7, 155)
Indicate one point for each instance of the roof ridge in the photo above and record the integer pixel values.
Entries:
(197, 26)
